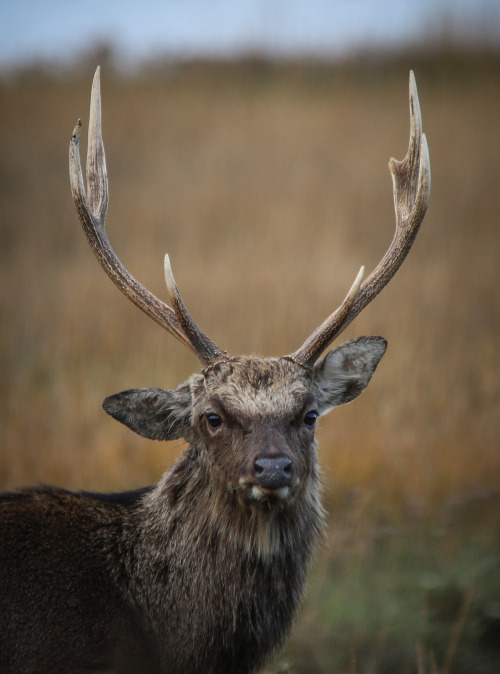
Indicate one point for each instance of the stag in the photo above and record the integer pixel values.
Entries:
(204, 571)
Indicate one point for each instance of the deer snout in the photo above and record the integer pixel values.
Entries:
(273, 473)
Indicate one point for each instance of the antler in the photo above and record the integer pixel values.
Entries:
(411, 180)
(92, 211)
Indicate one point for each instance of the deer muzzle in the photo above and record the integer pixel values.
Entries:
(273, 472)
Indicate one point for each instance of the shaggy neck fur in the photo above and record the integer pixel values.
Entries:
(211, 558)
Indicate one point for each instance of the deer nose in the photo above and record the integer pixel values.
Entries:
(273, 473)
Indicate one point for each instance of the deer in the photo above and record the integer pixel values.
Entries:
(205, 570)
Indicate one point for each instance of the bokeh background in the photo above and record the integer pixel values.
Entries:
(250, 140)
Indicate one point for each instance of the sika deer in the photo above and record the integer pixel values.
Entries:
(204, 571)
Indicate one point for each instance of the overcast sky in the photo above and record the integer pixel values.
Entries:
(60, 29)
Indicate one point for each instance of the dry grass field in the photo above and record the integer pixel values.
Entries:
(268, 186)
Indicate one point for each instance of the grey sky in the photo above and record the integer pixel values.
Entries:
(59, 29)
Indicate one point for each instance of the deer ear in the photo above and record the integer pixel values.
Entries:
(345, 371)
(152, 412)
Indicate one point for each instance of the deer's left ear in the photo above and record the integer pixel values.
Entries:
(346, 370)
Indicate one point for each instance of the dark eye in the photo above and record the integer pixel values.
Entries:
(310, 418)
(213, 420)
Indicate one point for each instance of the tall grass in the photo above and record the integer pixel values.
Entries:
(268, 187)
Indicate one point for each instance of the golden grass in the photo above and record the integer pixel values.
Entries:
(269, 189)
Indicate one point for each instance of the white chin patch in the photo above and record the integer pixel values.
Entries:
(260, 494)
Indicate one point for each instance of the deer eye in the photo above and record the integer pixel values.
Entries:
(214, 420)
(310, 418)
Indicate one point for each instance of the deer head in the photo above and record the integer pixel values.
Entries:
(252, 419)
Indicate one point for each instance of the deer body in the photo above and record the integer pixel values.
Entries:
(204, 571)
(200, 573)
(60, 608)
(141, 594)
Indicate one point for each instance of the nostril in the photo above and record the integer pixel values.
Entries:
(273, 473)
(258, 468)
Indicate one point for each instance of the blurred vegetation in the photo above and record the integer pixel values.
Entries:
(267, 184)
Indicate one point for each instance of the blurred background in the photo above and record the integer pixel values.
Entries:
(250, 140)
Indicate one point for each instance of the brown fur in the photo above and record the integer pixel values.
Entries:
(202, 572)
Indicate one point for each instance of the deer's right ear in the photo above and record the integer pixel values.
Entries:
(152, 412)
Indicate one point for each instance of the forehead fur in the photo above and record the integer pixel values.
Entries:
(259, 386)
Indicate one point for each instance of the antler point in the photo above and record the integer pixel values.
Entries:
(169, 277)
(75, 136)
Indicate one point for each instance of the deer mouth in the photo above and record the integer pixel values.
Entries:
(258, 493)
(253, 494)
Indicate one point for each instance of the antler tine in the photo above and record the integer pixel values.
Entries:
(411, 179)
(92, 211)
(206, 350)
